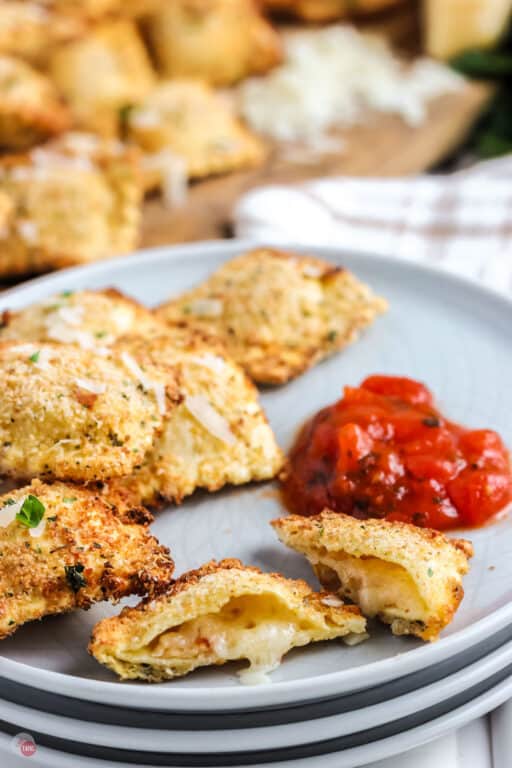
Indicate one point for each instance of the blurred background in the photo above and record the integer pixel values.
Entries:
(128, 123)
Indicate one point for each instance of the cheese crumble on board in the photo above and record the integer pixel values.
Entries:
(332, 77)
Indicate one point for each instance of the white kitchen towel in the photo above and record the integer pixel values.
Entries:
(461, 222)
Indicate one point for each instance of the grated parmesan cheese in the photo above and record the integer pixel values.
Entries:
(9, 511)
(173, 175)
(38, 530)
(206, 307)
(214, 423)
(96, 387)
(334, 76)
(212, 362)
(151, 386)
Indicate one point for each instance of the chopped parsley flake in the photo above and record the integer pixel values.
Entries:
(430, 572)
(69, 499)
(331, 336)
(67, 294)
(31, 512)
(35, 357)
(74, 576)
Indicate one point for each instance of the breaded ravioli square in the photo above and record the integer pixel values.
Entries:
(219, 41)
(72, 414)
(411, 578)
(103, 73)
(62, 547)
(93, 320)
(190, 120)
(29, 30)
(74, 201)
(30, 107)
(222, 612)
(278, 313)
(217, 435)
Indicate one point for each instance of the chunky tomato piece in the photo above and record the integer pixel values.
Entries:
(384, 450)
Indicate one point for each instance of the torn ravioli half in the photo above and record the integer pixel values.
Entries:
(222, 612)
(409, 577)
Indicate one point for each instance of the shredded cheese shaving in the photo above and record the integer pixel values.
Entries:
(214, 423)
(96, 387)
(9, 511)
(38, 530)
(151, 386)
(206, 307)
(212, 362)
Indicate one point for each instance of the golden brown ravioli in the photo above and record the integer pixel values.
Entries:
(73, 414)
(218, 434)
(172, 118)
(62, 547)
(278, 313)
(102, 74)
(220, 41)
(327, 10)
(222, 612)
(73, 201)
(411, 578)
(28, 30)
(90, 319)
(30, 107)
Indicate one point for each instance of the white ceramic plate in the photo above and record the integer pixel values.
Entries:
(350, 758)
(453, 335)
(253, 739)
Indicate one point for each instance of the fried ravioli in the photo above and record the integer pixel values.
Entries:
(72, 414)
(28, 30)
(220, 41)
(30, 107)
(328, 10)
(278, 313)
(103, 73)
(74, 201)
(222, 612)
(411, 578)
(92, 319)
(217, 435)
(172, 118)
(63, 548)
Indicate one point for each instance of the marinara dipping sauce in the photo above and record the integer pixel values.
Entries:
(384, 450)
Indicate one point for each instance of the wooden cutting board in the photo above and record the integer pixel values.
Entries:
(385, 146)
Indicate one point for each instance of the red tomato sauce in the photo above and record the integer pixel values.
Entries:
(384, 450)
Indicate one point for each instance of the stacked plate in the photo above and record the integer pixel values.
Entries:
(329, 704)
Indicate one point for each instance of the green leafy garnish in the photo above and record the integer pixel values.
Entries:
(430, 572)
(35, 357)
(66, 294)
(31, 512)
(69, 499)
(74, 576)
(124, 118)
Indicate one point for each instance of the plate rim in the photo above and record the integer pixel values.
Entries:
(163, 740)
(239, 697)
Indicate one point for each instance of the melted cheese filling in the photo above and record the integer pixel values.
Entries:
(253, 627)
(378, 587)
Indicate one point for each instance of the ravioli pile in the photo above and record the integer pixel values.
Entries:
(109, 408)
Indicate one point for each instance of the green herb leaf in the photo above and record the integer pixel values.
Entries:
(31, 512)
(69, 499)
(74, 576)
(35, 357)
(66, 294)
(430, 572)
(485, 64)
